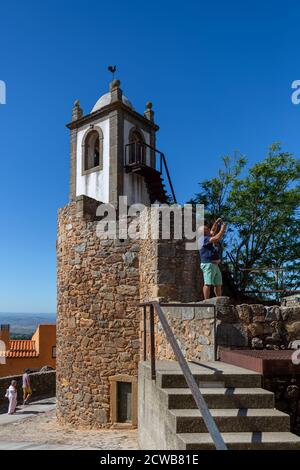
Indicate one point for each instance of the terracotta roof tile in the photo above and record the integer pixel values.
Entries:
(21, 348)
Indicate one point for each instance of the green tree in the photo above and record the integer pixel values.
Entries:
(262, 209)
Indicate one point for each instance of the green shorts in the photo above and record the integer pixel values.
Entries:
(212, 274)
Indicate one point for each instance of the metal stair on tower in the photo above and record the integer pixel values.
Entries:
(143, 160)
(154, 182)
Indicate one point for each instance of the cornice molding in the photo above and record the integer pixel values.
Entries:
(106, 110)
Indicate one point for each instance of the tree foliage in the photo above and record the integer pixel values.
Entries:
(262, 209)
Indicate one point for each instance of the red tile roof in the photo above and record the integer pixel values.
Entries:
(21, 348)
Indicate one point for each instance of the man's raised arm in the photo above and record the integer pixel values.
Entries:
(219, 235)
(214, 228)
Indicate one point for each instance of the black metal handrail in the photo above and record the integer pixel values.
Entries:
(277, 270)
(135, 154)
(190, 380)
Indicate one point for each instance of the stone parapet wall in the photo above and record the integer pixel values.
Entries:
(42, 384)
(257, 326)
(236, 326)
(193, 328)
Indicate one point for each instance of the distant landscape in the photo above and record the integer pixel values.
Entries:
(25, 323)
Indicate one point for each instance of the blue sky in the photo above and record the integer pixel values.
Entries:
(218, 73)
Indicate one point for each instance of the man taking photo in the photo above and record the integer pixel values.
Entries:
(210, 254)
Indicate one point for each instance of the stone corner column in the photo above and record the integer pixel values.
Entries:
(77, 113)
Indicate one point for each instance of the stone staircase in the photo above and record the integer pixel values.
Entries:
(243, 411)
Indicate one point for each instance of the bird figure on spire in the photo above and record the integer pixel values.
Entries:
(112, 69)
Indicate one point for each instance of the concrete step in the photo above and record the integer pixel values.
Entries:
(169, 374)
(182, 398)
(241, 441)
(243, 411)
(173, 380)
(231, 420)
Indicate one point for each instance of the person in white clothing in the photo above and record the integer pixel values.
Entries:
(12, 397)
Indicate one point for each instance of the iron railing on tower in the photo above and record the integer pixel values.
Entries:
(140, 153)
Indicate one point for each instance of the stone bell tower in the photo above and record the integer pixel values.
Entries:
(106, 145)
(101, 282)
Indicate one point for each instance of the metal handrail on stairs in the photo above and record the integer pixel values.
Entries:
(155, 306)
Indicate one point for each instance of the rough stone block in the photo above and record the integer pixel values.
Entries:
(293, 330)
(135, 248)
(218, 301)
(290, 313)
(166, 292)
(87, 398)
(244, 313)
(127, 290)
(231, 334)
(296, 313)
(257, 343)
(259, 319)
(202, 313)
(173, 312)
(80, 248)
(257, 309)
(227, 313)
(101, 416)
(256, 329)
(188, 313)
(270, 315)
(114, 258)
(207, 353)
(130, 258)
(203, 340)
(166, 249)
(168, 277)
(72, 322)
(268, 328)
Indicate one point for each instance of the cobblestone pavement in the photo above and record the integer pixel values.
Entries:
(40, 430)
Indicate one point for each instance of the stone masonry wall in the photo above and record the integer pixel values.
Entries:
(100, 286)
(98, 316)
(148, 270)
(168, 271)
(257, 326)
(193, 328)
(238, 326)
(42, 384)
(242, 326)
(99, 329)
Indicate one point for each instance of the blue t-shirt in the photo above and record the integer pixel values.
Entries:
(209, 252)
